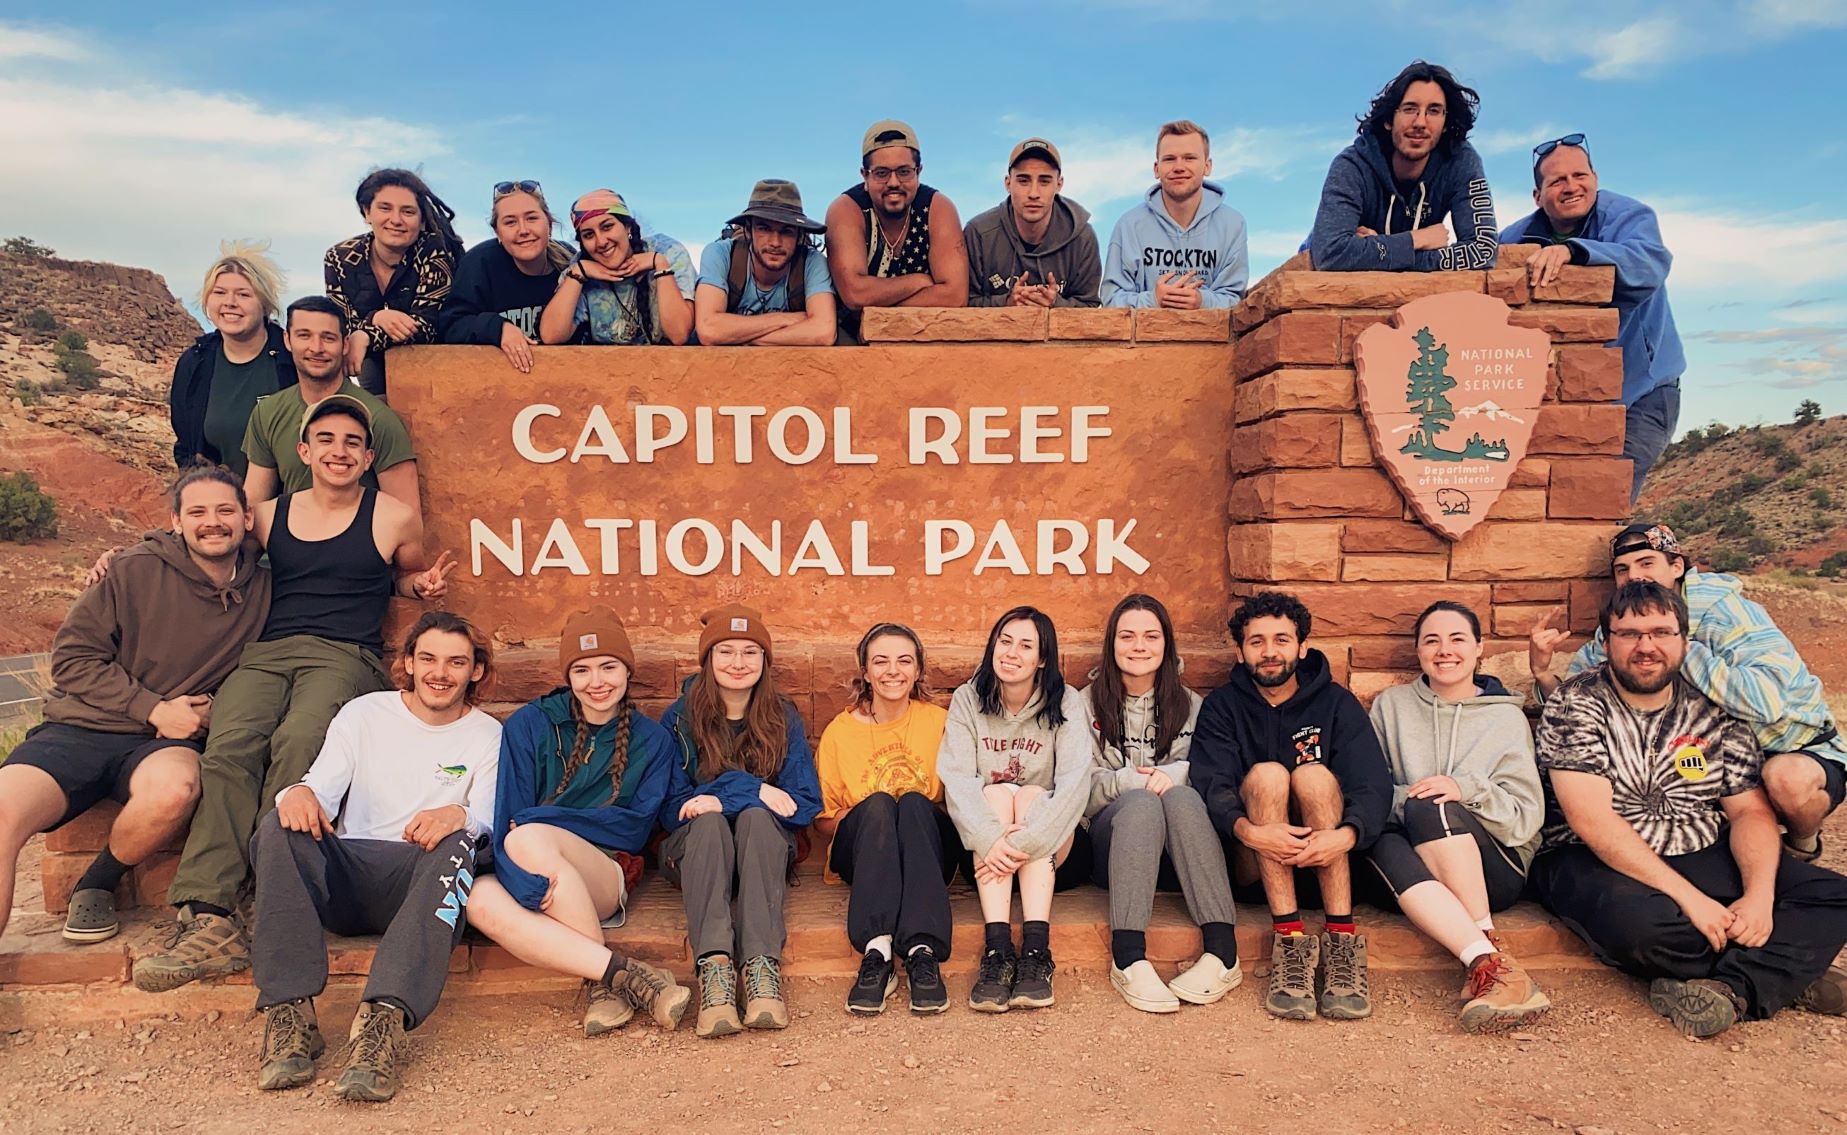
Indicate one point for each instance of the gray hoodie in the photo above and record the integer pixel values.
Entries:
(980, 749)
(997, 256)
(1115, 768)
(1484, 744)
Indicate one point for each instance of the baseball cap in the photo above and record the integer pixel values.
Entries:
(889, 132)
(1036, 148)
(337, 404)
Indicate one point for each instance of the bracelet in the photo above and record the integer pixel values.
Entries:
(661, 273)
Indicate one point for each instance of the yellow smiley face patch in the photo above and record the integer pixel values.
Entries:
(1690, 761)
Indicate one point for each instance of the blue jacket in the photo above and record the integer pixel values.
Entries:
(1624, 232)
(1146, 245)
(1361, 192)
(533, 746)
(736, 789)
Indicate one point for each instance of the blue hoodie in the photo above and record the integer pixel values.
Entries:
(1360, 192)
(1146, 245)
(1622, 231)
(533, 746)
(736, 789)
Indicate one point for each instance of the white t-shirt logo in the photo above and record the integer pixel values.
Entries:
(740, 625)
(586, 642)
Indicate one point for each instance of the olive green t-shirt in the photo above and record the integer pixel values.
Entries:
(275, 431)
(234, 393)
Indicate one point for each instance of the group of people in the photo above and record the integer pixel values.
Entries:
(1408, 195)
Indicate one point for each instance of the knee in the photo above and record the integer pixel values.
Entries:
(1423, 820)
(917, 806)
(533, 848)
(879, 808)
(1140, 808)
(1265, 782)
(297, 739)
(1182, 798)
(175, 794)
(270, 833)
(752, 822)
(1791, 778)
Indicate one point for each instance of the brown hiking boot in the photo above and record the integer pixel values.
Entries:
(764, 1008)
(1464, 993)
(654, 991)
(718, 997)
(1293, 959)
(1827, 995)
(291, 1044)
(201, 945)
(1346, 994)
(1701, 1007)
(608, 1009)
(1501, 995)
(376, 1049)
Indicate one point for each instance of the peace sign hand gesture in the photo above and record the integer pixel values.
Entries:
(434, 583)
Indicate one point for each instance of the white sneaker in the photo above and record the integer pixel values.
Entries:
(1142, 988)
(1206, 980)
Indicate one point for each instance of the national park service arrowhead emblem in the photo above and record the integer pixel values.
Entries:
(1450, 392)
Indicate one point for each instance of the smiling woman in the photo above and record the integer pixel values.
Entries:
(217, 382)
(503, 284)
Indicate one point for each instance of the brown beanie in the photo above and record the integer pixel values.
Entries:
(595, 633)
(733, 620)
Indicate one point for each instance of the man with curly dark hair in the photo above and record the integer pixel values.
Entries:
(1289, 765)
(1387, 196)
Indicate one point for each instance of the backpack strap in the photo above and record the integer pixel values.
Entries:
(798, 280)
(734, 278)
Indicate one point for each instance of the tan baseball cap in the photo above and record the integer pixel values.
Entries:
(889, 132)
(1036, 148)
(337, 404)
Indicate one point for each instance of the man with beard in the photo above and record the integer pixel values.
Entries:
(1182, 248)
(1036, 248)
(410, 774)
(1660, 849)
(337, 552)
(766, 284)
(133, 670)
(316, 337)
(893, 241)
(1290, 767)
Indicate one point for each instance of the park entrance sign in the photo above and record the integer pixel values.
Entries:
(1451, 393)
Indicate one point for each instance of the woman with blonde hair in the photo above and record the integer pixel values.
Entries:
(219, 378)
(502, 285)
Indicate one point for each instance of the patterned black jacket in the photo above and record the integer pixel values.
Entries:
(418, 287)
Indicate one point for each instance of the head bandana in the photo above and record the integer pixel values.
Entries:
(596, 203)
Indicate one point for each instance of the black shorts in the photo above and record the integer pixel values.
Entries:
(1836, 776)
(88, 764)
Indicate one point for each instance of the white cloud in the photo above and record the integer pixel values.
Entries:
(25, 43)
(1751, 252)
(1514, 141)
(1784, 16)
(1637, 47)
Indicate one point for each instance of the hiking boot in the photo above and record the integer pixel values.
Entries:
(1346, 994)
(993, 988)
(201, 945)
(91, 917)
(928, 993)
(291, 1044)
(877, 978)
(764, 1007)
(1701, 1007)
(654, 991)
(1464, 993)
(718, 997)
(1828, 994)
(1032, 980)
(1206, 980)
(1501, 995)
(608, 1009)
(376, 1049)
(1143, 988)
(1293, 958)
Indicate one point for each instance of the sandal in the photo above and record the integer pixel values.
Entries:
(1804, 856)
(91, 917)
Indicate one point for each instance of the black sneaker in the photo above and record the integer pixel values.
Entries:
(877, 978)
(928, 993)
(993, 988)
(1032, 982)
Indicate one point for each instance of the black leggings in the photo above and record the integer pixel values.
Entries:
(1398, 866)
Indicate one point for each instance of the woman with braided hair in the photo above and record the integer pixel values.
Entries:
(582, 775)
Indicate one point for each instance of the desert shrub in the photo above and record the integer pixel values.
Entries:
(40, 320)
(73, 340)
(1808, 413)
(27, 392)
(26, 246)
(1731, 559)
(1833, 566)
(1821, 497)
(25, 512)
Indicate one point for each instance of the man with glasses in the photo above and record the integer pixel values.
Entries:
(766, 283)
(1737, 657)
(1660, 849)
(1576, 224)
(894, 241)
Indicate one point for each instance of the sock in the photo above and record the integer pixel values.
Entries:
(1485, 922)
(1340, 924)
(208, 908)
(1126, 947)
(1035, 936)
(919, 948)
(1221, 941)
(1804, 845)
(882, 944)
(617, 963)
(104, 873)
(1472, 954)
(1290, 923)
(999, 936)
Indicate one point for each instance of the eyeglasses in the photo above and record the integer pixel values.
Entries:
(1540, 151)
(502, 188)
(886, 173)
(1630, 637)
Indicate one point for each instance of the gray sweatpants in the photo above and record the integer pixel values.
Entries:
(714, 857)
(358, 886)
(1138, 835)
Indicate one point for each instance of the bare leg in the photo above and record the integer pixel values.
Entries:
(1798, 791)
(1456, 862)
(162, 792)
(1432, 908)
(1266, 801)
(30, 802)
(586, 884)
(1038, 878)
(532, 936)
(1317, 793)
(996, 895)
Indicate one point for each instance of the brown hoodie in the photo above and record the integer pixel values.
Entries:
(156, 627)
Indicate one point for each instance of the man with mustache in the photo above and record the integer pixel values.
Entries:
(1290, 767)
(1660, 849)
(133, 670)
(766, 283)
(337, 552)
(1387, 195)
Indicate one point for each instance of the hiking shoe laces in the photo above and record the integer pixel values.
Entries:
(717, 983)
(640, 985)
(1297, 968)
(1342, 966)
(287, 1032)
(763, 977)
(1486, 974)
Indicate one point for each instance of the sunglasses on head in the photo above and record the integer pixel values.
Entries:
(1540, 151)
(502, 188)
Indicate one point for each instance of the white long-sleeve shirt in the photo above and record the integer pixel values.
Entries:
(381, 764)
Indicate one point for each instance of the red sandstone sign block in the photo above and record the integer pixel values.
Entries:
(1451, 394)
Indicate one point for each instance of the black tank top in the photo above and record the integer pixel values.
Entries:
(336, 588)
(912, 255)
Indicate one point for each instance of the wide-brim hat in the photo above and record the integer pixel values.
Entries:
(778, 202)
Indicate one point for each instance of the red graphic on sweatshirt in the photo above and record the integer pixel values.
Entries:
(1012, 774)
(1307, 744)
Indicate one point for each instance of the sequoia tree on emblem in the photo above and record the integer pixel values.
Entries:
(1443, 365)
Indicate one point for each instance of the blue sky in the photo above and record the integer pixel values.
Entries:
(145, 133)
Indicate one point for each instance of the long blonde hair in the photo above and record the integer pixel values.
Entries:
(557, 254)
(249, 259)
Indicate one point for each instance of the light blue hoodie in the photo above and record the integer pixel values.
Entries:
(1147, 245)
